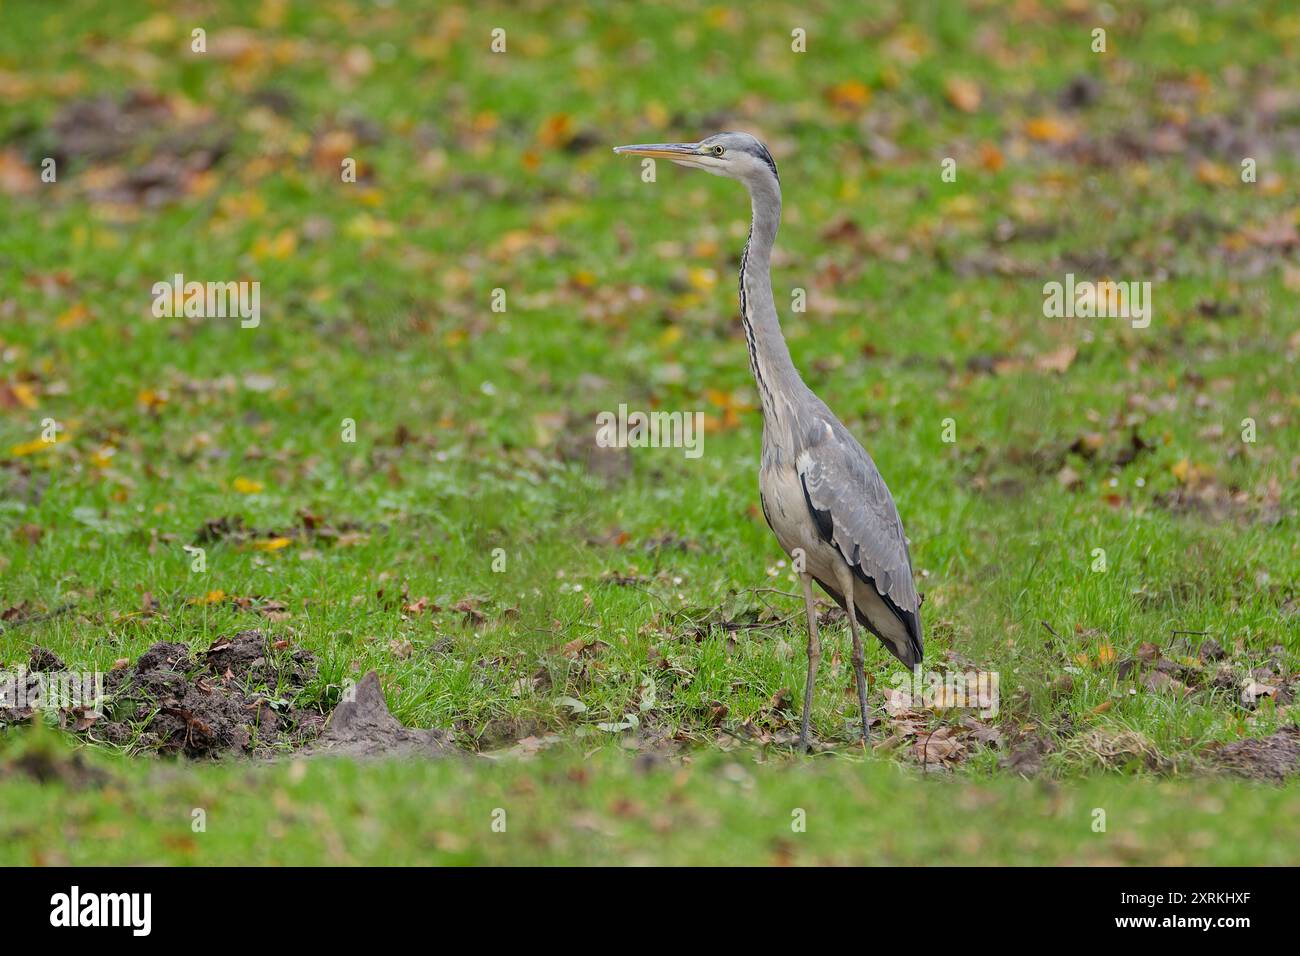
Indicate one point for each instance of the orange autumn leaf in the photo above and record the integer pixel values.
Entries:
(1049, 129)
(280, 246)
(18, 393)
(556, 131)
(150, 399)
(73, 317)
(962, 93)
(849, 95)
(991, 158)
(332, 148)
(212, 597)
(1213, 174)
(17, 177)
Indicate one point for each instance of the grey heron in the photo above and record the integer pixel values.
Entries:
(821, 493)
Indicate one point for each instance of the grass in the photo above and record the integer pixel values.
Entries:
(484, 171)
(572, 808)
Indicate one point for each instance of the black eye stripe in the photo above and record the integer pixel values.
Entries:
(757, 150)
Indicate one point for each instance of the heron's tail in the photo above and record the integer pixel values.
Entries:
(910, 649)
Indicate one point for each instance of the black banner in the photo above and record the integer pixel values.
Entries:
(334, 906)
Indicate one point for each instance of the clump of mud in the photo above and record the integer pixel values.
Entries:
(235, 697)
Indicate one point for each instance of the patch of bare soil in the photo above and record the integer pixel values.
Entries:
(1274, 757)
(577, 443)
(53, 765)
(1220, 504)
(1027, 753)
(312, 529)
(169, 147)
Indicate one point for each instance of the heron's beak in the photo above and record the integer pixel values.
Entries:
(677, 152)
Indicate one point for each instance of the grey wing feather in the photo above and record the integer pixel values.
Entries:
(855, 512)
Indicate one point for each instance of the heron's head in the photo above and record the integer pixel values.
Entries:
(734, 155)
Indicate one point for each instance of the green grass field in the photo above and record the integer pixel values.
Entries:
(611, 809)
(1093, 508)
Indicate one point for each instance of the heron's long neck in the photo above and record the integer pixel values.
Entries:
(769, 358)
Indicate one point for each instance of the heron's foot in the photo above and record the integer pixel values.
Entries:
(803, 746)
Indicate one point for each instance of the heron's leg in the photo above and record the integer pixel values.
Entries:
(860, 675)
(814, 657)
(846, 582)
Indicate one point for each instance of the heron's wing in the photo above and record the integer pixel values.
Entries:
(854, 511)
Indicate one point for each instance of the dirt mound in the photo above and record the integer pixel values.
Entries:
(53, 765)
(1274, 757)
(240, 696)
(146, 150)
(236, 697)
(363, 727)
(41, 659)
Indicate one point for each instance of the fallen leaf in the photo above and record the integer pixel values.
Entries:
(1068, 478)
(849, 95)
(991, 157)
(271, 544)
(557, 130)
(212, 597)
(35, 446)
(17, 177)
(1058, 361)
(1254, 690)
(17, 395)
(962, 93)
(1048, 129)
(1213, 174)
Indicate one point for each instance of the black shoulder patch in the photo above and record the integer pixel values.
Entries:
(825, 524)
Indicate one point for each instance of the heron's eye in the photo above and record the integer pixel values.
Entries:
(718, 150)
